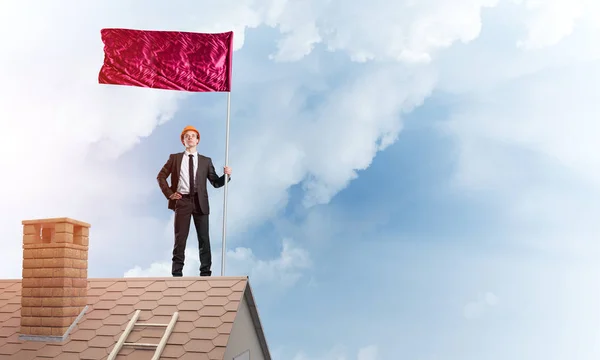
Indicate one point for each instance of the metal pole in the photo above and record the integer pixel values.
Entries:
(223, 247)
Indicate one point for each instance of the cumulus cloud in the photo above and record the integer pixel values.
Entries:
(549, 22)
(407, 31)
(60, 129)
(51, 95)
(324, 153)
(285, 270)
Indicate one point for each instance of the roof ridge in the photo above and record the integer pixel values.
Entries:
(171, 278)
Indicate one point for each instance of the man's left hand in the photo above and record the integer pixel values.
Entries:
(227, 170)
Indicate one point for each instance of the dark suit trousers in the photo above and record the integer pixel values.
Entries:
(185, 209)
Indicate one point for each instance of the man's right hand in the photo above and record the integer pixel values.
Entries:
(175, 196)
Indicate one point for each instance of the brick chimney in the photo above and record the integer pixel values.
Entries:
(55, 262)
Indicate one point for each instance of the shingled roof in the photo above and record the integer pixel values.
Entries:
(207, 310)
(48, 314)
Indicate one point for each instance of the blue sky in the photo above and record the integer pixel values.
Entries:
(419, 182)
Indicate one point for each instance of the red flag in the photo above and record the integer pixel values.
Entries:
(171, 60)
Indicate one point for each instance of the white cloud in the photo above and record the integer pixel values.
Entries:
(550, 21)
(551, 124)
(410, 31)
(322, 150)
(55, 113)
(82, 126)
(284, 271)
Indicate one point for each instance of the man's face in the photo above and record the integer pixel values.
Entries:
(190, 138)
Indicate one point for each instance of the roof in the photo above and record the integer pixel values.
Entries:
(207, 308)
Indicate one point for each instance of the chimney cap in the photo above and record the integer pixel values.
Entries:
(56, 220)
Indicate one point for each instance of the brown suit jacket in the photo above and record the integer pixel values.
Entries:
(206, 171)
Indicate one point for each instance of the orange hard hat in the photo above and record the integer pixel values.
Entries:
(189, 128)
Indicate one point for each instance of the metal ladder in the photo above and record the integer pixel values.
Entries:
(133, 322)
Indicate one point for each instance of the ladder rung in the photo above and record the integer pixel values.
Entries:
(149, 324)
(132, 323)
(140, 344)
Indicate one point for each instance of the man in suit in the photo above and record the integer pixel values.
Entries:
(188, 197)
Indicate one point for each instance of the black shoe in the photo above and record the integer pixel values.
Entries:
(177, 275)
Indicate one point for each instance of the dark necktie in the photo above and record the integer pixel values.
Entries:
(192, 189)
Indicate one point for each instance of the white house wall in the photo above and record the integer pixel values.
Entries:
(243, 336)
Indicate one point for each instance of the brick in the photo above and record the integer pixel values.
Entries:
(48, 282)
(30, 264)
(30, 292)
(42, 273)
(78, 301)
(57, 321)
(31, 239)
(46, 253)
(53, 263)
(56, 301)
(27, 273)
(81, 240)
(64, 292)
(26, 311)
(74, 273)
(66, 282)
(68, 253)
(31, 230)
(63, 237)
(42, 330)
(75, 253)
(79, 264)
(41, 312)
(31, 301)
(82, 231)
(31, 283)
(64, 228)
(46, 292)
(66, 311)
(31, 321)
(30, 253)
(80, 283)
(65, 273)
(71, 253)
(25, 330)
(59, 331)
(60, 252)
(39, 263)
(83, 273)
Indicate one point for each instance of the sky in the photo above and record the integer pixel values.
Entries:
(411, 180)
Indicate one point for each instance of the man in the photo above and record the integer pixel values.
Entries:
(188, 197)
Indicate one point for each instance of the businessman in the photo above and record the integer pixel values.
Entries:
(188, 197)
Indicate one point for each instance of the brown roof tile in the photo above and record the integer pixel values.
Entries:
(25, 354)
(207, 309)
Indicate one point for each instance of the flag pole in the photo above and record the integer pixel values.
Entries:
(223, 247)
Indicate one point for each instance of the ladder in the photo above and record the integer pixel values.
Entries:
(133, 322)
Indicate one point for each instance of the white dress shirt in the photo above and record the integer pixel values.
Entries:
(184, 175)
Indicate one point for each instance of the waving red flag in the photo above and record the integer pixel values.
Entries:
(171, 60)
